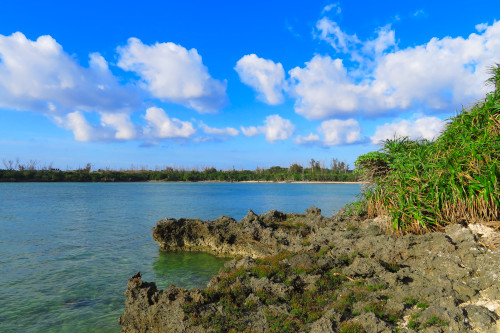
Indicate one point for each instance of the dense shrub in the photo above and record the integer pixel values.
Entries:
(423, 185)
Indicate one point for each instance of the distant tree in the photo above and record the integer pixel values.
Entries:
(87, 168)
(338, 166)
(315, 165)
(295, 169)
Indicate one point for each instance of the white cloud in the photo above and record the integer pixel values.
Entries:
(481, 27)
(302, 140)
(250, 131)
(160, 126)
(118, 126)
(125, 129)
(419, 12)
(427, 128)
(324, 90)
(113, 126)
(441, 75)
(173, 73)
(330, 32)
(332, 7)
(264, 76)
(39, 76)
(82, 130)
(275, 128)
(227, 131)
(386, 39)
(338, 132)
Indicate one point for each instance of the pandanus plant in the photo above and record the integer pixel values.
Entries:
(423, 185)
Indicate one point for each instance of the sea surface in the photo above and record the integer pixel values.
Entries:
(67, 249)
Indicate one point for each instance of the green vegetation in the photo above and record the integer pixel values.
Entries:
(14, 171)
(410, 301)
(351, 328)
(322, 252)
(422, 305)
(414, 324)
(376, 287)
(303, 306)
(435, 321)
(424, 185)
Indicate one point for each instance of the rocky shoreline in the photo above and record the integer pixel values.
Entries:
(307, 272)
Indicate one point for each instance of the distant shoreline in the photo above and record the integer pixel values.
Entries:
(183, 181)
(271, 175)
(256, 182)
(294, 182)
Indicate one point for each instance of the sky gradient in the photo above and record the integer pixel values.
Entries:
(233, 84)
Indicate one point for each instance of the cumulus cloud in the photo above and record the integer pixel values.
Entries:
(323, 89)
(333, 132)
(113, 126)
(303, 140)
(120, 122)
(119, 127)
(227, 131)
(83, 131)
(39, 76)
(441, 75)
(264, 76)
(171, 72)
(337, 132)
(427, 128)
(161, 126)
(275, 128)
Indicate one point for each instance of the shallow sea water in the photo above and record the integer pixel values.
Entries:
(67, 249)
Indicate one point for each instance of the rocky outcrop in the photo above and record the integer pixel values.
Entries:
(254, 236)
(310, 273)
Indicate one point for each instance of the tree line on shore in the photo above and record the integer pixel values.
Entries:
(14, 171)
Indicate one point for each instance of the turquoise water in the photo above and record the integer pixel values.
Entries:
(67, 249)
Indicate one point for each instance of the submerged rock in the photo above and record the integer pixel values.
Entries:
(300, 273)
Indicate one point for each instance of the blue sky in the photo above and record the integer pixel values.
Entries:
(233, 84)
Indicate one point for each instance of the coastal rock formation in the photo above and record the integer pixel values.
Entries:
(254, 236)
(295, 272)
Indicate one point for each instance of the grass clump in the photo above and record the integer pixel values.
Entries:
(424, 185)
(376, 287)
(414, 325)
(324, 251)
(435, 321)
(411, 301)
(378, 308)
(351, 327)
(422, 305)
(279, 322)
(356, 208)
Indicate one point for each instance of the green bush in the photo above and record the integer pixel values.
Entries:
(424, 185)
